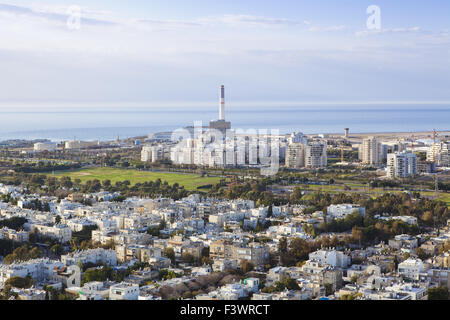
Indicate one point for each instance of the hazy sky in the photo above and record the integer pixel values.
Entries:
(133, 53)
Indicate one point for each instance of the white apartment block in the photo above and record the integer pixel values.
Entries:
(295, 155)
(401, 165)
(135, 251)
(38, 269)
(316, 154)
(440, 154)
(371, 151)
(411, 268)
(96, 256)
(45, 146)
(340, 211)
(11, 234)
(124, 291)
(154, 153)
(297, 137)
(60, 232)
(332, 257)
(415, 292)
(77, 225)
(76, 144)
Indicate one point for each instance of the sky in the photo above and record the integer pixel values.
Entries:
(176, 52)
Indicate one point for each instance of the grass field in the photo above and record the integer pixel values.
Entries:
(189, 181)
(374, 192)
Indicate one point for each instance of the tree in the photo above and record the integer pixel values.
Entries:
(291, 284)
(439, 293)
(427, 218)
(328, 289)
(422, 254)
(246, 266)
(269, 211)
(23, 254)
(162, 224)
(296, 195)
(57, 249)
(299, 248)
(66, 182)
(282, 245)
(19, 282)
(170, 253)
(187, 257)
(106, 183)
(444, 247)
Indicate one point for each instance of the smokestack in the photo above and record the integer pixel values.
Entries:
(222, 103)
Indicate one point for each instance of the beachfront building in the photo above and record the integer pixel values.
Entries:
(77, 144)
(45, 146)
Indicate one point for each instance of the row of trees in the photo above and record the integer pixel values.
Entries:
(15, 223)
(105, 273)
(296, 251)
(63, 186)
(23, 253)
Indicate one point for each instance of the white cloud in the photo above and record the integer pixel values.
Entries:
(389, 31)
(117, 56)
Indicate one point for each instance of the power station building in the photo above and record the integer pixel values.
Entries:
(221, 124)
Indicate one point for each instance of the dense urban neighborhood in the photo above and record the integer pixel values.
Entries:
(84, 221)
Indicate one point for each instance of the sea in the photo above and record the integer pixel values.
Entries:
(109, 123)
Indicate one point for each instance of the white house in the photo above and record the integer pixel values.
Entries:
(332, 257)
(124, 291)
(411, 268)
(96, 256)
(340, 211)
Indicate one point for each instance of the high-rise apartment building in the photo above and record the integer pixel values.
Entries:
(439, 153)
(371, 151)
(316, 154)
(295, 155)
(401, 165)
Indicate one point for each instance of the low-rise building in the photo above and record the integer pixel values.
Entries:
(124, 291)
(411, 268)
(332, 257)
(94, 256)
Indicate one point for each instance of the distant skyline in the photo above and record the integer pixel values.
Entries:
(156, 53)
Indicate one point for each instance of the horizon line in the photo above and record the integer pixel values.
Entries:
(153, 104)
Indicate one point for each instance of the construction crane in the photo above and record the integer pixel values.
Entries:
(412, 143)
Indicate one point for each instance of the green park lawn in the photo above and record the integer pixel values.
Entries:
(189, 181)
